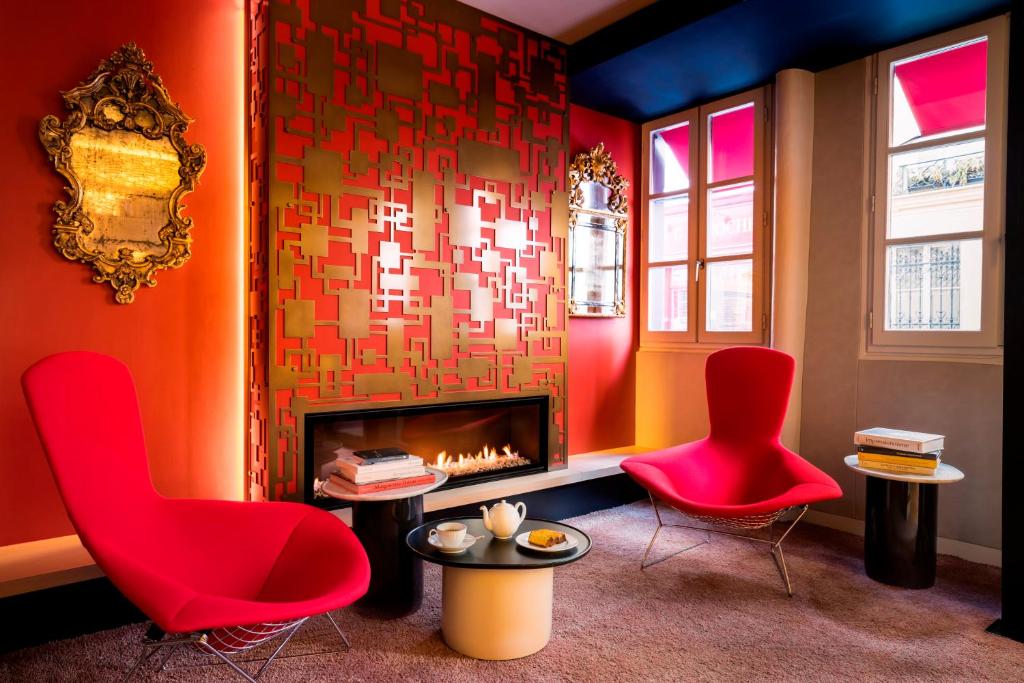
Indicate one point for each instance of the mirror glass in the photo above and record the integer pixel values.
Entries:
(597, 239)
(128, 210)
(596, 269)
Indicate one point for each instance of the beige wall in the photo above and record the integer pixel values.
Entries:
(843, 392)
(671, 403)
(794, 161)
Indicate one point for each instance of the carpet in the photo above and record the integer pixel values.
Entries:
(715, 613)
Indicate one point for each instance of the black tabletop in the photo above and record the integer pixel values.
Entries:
(493, 553)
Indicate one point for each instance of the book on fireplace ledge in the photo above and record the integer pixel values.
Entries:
(357, 471)
(373, 456)
(380, 486)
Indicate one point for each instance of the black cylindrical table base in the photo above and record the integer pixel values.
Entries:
(396, 574)
(899, 532)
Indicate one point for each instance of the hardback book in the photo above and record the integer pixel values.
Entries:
(878, 450)
(372, 456)
(387, 461)
(899, 439)
(896, 469)
(909, 461)
(379, 486)
(348, 458)
(369, 473)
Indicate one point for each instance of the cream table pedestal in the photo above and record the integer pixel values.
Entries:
(497, 598)
(478, 603)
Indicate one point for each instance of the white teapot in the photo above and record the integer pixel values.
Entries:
(503, 519)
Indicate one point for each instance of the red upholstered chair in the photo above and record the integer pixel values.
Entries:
(221, 575)
(740, 476)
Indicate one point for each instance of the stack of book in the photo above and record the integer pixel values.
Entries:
(899, 451)
(379, 469)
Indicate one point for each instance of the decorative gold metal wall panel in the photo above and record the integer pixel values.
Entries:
(257, 304)
(418, 213)
(122, 150)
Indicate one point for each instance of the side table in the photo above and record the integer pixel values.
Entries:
(900, 524)
(381, 522)
(497, 597)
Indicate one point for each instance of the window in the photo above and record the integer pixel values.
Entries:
(937, 203)
(705, 234)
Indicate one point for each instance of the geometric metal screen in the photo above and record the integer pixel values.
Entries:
(417, 214)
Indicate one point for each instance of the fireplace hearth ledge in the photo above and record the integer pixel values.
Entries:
(582, 467)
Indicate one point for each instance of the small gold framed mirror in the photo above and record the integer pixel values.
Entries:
(598, 217)
(123, 152)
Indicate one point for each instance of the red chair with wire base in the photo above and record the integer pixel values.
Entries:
(740, 477)
(219, 576)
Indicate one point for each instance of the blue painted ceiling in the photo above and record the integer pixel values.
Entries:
(678, 53)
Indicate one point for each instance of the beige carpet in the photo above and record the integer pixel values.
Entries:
(717, 613)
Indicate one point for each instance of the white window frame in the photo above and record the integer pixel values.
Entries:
(984, 344)
(695, 337)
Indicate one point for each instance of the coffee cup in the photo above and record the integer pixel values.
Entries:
(449, 534)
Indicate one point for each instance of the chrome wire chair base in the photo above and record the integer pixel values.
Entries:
(743, 523)
(644, 564)
(156, 641)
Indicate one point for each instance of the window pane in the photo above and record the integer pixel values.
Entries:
(731, 220)
(730, 297)
(731, 143)
(670, 159)
(667, 298)
(669, 229)
(939, 93)
(934, 286)
(938, 190)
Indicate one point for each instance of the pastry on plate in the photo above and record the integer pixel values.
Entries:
(545, 538)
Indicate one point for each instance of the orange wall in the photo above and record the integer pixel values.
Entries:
(602, 351)
(182, 339)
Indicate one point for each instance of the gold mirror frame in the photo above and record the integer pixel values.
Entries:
(610, 213)
(132, 169)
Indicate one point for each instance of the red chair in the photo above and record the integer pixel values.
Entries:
(740, 476)
(221, 575)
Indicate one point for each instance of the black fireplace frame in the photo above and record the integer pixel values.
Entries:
(541, 401)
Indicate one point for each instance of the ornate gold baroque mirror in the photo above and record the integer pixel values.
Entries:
(123, 153)
(598, 216)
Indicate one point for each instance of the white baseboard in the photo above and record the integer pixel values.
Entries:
(945, 546)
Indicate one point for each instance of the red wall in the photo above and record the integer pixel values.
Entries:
(602, 351)
(182, 339)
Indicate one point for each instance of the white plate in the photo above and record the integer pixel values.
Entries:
(523, 540)
(467, 542)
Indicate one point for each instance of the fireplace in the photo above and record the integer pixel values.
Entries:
(472, 441)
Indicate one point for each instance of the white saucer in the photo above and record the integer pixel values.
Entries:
(523, 540)
(467, 542)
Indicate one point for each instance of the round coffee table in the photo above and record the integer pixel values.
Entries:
(901, 524)
(496, 596)
(381, 522)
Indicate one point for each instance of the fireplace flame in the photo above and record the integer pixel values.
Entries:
(484, 460)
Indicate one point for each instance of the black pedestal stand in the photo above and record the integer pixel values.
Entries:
(396, 574)
(900, 528)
